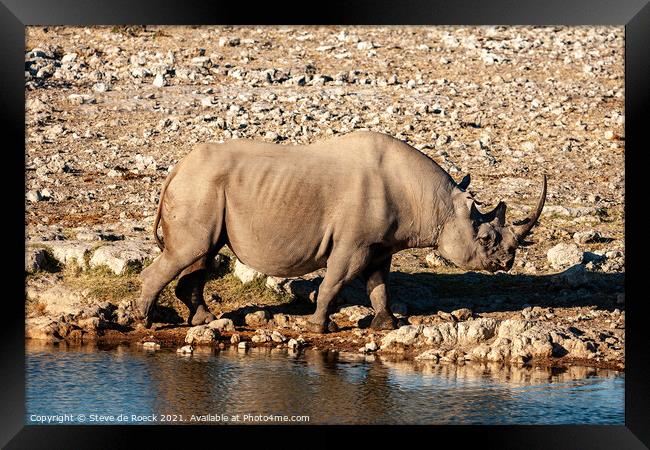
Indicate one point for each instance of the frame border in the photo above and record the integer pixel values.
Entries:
(634, 14)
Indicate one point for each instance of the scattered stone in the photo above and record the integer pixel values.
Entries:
(69, 57)
(462, 314)
(276, 284)
(282, 320)
(261, 336)
(120, 257)
(405, 335)
(276, 336)
(151, 345)
(302, 289)
(35, 259)
(234, 339)
(69, 253)
(371, 346)
(243, 345)
(244, 273)
(79, 99)
(101, 87)
(202, 334)
(34, 196)
(186, 350)
(159, 81)
(435, 260)
(90, 323)
(564, 255)
(354, 314)
(586, 237)
(222, 325)
(257, 319)
(42, 329)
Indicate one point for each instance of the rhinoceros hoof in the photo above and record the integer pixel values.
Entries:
(329, 327)
(332, 327)
(202, 317)
(384, 321)
(319, 328)
(147, 322)
(139, 315)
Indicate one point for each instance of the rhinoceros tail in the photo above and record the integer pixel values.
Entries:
(159, 241)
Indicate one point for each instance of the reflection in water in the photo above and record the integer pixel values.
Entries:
(327, 387)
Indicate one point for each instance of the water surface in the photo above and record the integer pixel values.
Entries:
(126, 384)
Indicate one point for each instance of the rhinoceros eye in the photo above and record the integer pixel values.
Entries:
(484, 240)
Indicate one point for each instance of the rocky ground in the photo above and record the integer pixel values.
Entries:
(111, 110)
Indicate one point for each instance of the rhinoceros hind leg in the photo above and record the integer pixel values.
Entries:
(189, 290)
(341, 268)
(157, 275)
(383, 321)
(319, 328)
(377, 287)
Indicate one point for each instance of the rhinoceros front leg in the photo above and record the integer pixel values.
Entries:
(376, 277)
(341, 268)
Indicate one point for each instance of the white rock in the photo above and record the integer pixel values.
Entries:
(79, 99)
(100, 87)
(371, 346)
(405, 335)
(257, 318)
(276, 283)
(68, 58)
(207, 101)
(222, 325)
(244, 273)
(151, 345)
(462, 314)
(201, 334)
(34, 196)
(435, 260)
(564, 255)
(159, 81)
(356, 313)
(35, 259)
(585, 237)
(58, 299)
(70, 252)
(186, 349)
(121, 256)
(276, 336)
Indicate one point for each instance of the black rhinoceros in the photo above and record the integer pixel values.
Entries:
(347, 203)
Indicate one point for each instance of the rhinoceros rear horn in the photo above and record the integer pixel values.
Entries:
(464, 183)
(522, 229)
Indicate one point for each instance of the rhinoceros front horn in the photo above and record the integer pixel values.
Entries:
(522, 229)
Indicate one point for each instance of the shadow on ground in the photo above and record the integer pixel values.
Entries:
(427, 293)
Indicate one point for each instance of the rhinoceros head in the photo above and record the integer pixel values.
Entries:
(483, 241)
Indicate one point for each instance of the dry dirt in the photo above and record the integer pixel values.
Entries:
(110, 110)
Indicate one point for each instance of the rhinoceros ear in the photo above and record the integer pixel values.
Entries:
(497, 215)
(464, 183)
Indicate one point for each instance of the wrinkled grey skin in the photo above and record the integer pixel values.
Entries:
(348, 203)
